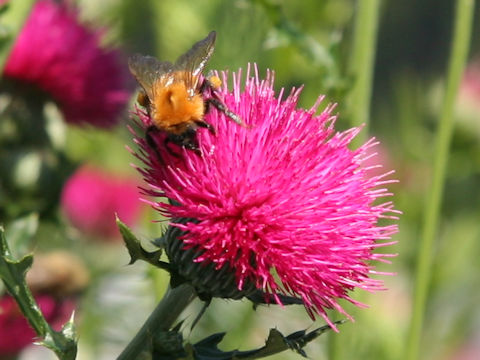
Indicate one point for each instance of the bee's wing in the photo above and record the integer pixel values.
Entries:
(147, 69)
(195, 59)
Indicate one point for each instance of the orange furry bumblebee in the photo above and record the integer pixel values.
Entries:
(173, 93)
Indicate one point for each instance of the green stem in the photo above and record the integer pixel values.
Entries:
(11, 23)
(12, 274)
(161, 319)
(458, 56)
(334, 346)
(363, 62)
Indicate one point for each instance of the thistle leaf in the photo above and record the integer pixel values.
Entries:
(12, 271)
(207, 349)
(21, 232)
(135, 249)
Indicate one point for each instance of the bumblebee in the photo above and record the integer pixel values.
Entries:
(174, 94)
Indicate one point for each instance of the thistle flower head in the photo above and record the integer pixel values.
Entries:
(283, 203)
(107, 194)
(62, 58)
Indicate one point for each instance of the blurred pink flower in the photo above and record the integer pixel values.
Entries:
(467, 350)
(468, 105)
(284, 203)
(470, 85)
(91, 197)
(62, 57)
(16, 333)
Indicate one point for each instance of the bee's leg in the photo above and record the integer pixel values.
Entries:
(206, 125)
(148, 136)
(190, 139)
(213, 82)
(168, 140)
(186, 140)
(151, 142)
(223, 108)
(192, 145)
(205, 85)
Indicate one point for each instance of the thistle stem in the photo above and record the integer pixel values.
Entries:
(12, 272)
(363, 62)
(161, 319)
(458, 55)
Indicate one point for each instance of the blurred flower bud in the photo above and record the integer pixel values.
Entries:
(92, 197)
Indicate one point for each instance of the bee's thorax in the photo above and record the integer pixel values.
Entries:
(173, 106)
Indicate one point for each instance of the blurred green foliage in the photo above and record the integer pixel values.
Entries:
(306, 43)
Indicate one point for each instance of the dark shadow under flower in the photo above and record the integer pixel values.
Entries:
(283, 203)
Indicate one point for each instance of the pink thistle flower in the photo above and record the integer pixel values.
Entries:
(91, 197)
(62, 57)
(283, 203)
